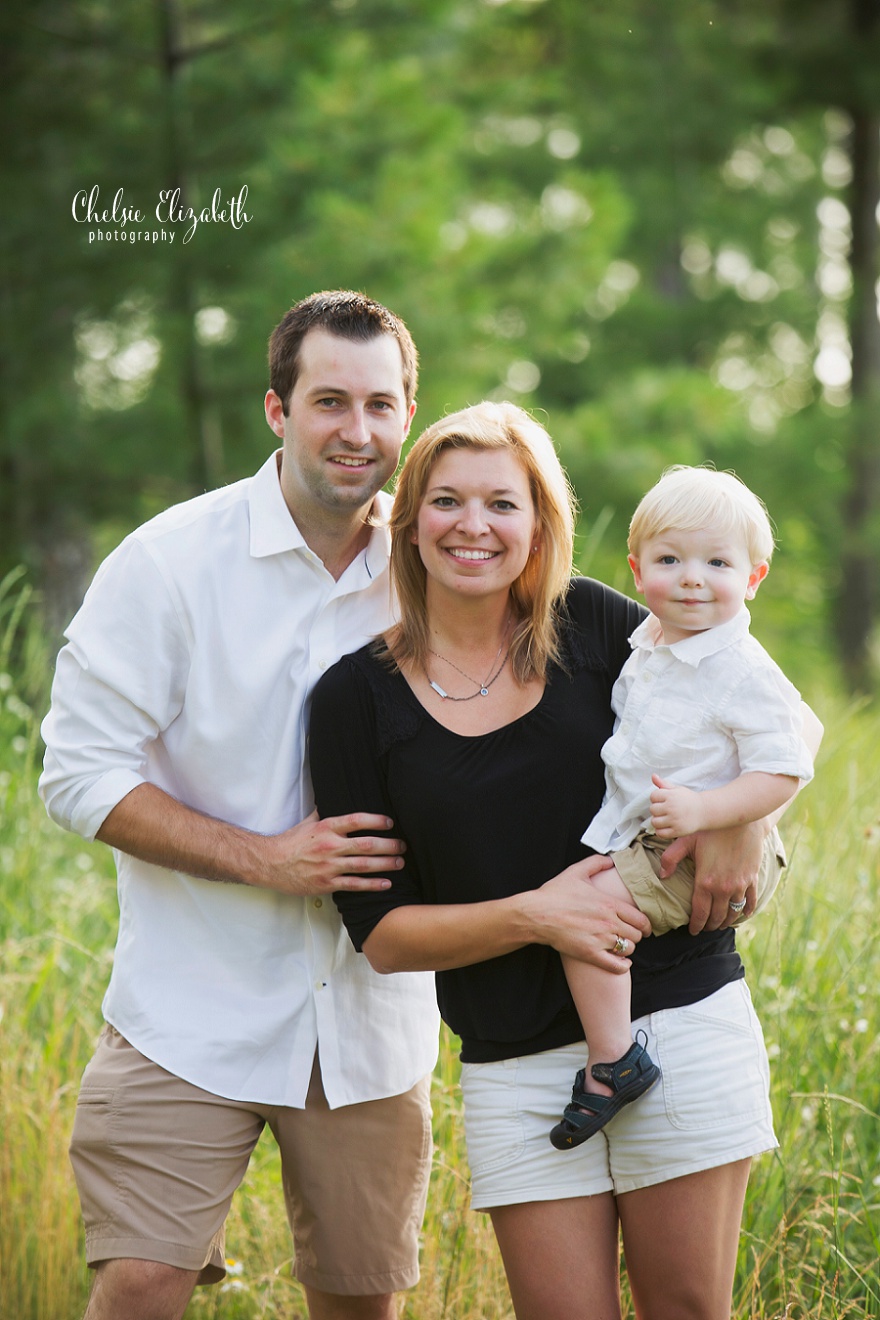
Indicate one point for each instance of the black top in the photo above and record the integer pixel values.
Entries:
(489, 816)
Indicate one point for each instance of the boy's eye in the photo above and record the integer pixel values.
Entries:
(717, 563)
(667, 559)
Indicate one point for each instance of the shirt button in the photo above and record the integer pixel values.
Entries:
(320, 985)
(322, 665)
(319, 902)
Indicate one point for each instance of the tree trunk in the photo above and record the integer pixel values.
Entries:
(859, 596)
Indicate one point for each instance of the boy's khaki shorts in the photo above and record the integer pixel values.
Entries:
(157, 1161)
(667, 903)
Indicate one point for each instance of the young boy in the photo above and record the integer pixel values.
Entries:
(707, 736)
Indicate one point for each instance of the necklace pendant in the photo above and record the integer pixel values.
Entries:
(484, 692)
(438, 689)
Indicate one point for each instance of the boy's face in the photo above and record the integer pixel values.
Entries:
(695, 580)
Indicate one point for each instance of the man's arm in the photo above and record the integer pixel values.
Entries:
(314, 857)
(677, 810)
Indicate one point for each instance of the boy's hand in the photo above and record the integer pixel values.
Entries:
(675, 810)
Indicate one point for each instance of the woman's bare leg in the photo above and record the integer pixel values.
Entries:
(561, 1258)
(680, 1241)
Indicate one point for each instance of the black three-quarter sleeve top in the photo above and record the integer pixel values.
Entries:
(490, 816)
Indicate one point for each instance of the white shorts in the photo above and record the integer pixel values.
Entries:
(710, 1107)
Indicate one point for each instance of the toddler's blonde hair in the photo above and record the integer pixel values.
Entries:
(687, 499)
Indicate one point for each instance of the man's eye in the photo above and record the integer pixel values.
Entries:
(381, 405)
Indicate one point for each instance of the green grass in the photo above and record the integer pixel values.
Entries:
(811, 1236)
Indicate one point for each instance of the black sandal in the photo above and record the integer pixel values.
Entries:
(630, 1077)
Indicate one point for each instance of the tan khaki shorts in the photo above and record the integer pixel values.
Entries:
(157, 1161)
(667, 903)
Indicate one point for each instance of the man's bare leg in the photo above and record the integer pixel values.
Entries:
(140, 1290)
(332, 1306)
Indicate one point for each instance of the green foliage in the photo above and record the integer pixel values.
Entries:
(628, 217)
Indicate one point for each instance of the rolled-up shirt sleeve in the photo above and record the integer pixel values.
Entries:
(764, 718)
(119, 683)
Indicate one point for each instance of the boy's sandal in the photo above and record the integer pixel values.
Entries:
(630, 1077)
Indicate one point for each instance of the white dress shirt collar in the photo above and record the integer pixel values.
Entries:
(274, 532)
(691, 650)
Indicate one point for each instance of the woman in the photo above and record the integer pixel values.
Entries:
(476, 725)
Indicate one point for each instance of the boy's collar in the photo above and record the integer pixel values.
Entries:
(693, 649)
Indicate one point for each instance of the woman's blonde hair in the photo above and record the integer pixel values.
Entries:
(688, 499)
(537, 592)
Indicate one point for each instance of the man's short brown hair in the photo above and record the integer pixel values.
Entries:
(345, 314)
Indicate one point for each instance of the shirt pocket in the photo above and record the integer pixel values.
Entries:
(670, 737)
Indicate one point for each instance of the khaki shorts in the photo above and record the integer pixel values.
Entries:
(667, 903)
(157, 1161)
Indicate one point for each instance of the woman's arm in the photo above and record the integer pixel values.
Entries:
(567, 913)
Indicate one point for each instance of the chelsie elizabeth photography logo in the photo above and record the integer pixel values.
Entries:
(122, 223)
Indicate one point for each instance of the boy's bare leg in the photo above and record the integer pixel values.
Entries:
(602, 998)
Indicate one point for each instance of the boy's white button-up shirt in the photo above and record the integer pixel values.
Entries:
(699, 713)
(190, 666)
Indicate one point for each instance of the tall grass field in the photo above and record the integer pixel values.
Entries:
(810, 1244)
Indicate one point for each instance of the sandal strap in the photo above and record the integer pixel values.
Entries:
(584, 1108)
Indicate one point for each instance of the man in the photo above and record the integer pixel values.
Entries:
(177, 735)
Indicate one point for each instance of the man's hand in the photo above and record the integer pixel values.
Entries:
(727, 863)
(314, 857)
(573, 916)
(319, 856)
(675, 810)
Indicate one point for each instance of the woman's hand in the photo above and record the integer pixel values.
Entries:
(727, 863)
(575, 918)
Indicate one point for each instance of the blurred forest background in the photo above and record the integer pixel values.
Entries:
(656, 225)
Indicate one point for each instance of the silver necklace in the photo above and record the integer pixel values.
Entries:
(482, 688)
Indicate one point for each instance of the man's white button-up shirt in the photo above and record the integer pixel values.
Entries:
(190, 666)
(699, 713)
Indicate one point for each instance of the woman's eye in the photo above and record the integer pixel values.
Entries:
(504, 505)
